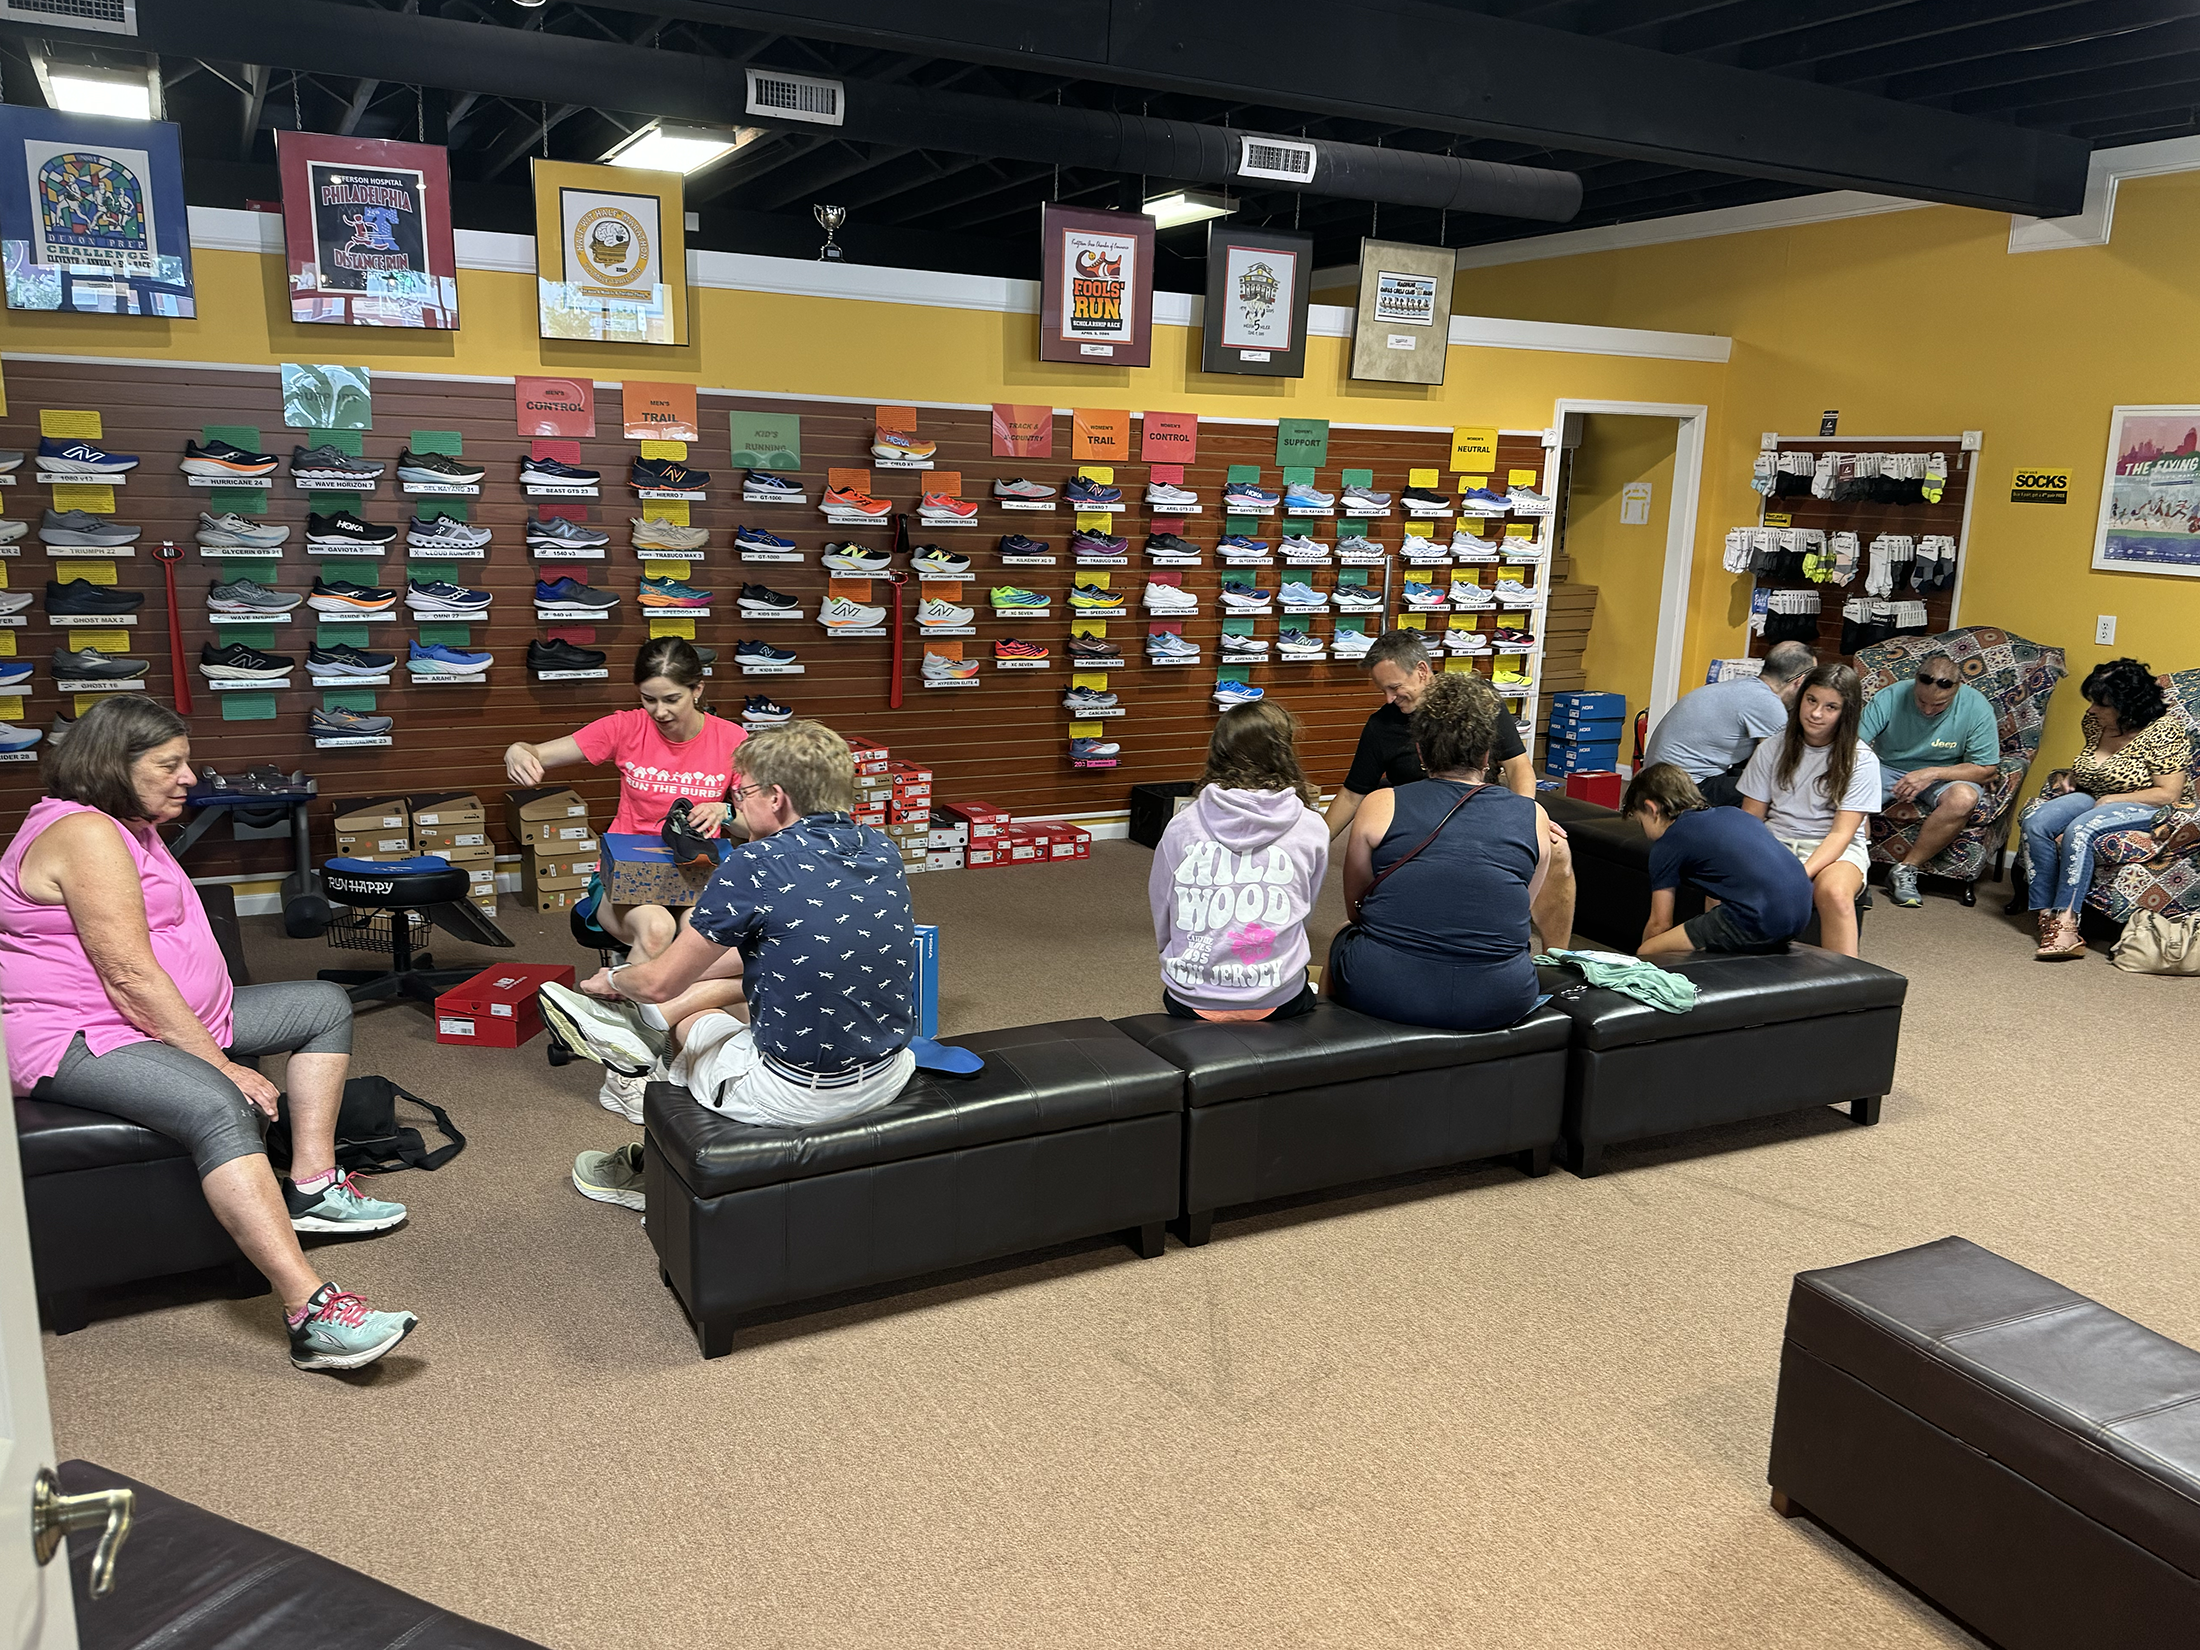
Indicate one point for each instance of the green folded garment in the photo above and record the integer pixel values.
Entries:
(1634, 977)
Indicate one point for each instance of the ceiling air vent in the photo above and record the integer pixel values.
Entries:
(107, 16)
(1283, 159)
(791, 96)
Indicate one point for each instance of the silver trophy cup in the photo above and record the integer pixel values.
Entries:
(829, 219)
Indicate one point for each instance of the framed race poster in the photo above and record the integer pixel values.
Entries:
(2150, 497)
(92, 216)
(610, 253)
(1257, 288)
(1096, 297)
(1402, 330)
(367, 231)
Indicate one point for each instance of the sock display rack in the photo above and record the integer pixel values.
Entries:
(1851, 546)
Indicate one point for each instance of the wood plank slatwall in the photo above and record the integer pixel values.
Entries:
(1005, 742)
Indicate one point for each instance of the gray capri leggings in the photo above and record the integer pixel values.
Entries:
(180, 1095)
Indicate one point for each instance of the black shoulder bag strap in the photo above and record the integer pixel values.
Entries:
(411, 1150)
(1425, 841)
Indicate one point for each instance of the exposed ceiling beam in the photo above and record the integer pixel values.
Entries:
(255, 100)
(361, 96)
(525, 138)
(1411, 61)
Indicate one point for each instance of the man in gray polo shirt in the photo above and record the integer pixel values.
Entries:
(1709, 735)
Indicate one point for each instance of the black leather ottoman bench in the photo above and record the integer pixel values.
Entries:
(188, 1579)
(2024, 1457)
(1071, 1130)
(1335, 1097)
(112, 1203)
(1768, 1034)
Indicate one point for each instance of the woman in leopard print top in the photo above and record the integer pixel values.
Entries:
(2137, 758)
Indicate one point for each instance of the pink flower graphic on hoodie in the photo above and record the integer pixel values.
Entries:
(1253, 942)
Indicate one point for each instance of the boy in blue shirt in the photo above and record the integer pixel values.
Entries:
(1760, 892)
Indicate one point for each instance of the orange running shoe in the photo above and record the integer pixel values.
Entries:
(861, 503)
(938, 506)
(1013, 649)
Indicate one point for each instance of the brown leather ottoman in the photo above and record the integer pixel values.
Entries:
(2022, 1456)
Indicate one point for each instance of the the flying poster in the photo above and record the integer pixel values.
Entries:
(92, 215)
(367, 230)
(610, 253)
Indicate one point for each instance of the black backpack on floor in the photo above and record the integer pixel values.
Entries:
(369, 1138)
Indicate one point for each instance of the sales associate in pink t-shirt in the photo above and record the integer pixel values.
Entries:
(666, 748)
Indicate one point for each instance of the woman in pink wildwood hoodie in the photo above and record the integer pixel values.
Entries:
(1236, 875)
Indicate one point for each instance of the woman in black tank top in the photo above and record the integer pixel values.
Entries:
(1438, 879)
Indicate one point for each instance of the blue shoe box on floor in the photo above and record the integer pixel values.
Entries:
(928, 979)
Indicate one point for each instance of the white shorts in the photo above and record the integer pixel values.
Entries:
(1856, 853)
(725, 1070)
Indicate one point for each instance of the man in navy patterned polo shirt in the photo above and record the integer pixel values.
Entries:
(818, 909)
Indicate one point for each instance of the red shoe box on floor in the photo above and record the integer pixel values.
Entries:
(496, 1008)
(1603, 787)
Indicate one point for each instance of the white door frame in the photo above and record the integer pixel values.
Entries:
(1680, 532)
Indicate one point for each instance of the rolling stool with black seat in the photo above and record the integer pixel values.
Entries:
(384, 904)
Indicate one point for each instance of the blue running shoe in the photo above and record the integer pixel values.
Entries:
(1082, 491)
(1229, 692)
(756, 538)
(569, 592)
(14, 672)
(1239, 542)
(81, 458)
(762, 653)
(340, 1206)
(763, 484)
(13, 738)
(1015, 544)
(340, 1331)
(436, 659)
(441, 596)
(1246, 494)
(1312, 497)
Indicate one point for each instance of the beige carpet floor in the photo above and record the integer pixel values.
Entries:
(1466, 1409)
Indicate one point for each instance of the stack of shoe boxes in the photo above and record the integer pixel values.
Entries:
(453, 827)
(1036, 842)
(874, 781)
(909, 816)
(557, 845)
(1585, 732)
(980, 824)
(378, 828)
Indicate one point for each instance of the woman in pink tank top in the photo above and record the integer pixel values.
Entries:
(117, 999)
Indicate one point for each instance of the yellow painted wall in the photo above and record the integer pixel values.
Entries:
(837, 347)
(1626, 564)
(1921, 322)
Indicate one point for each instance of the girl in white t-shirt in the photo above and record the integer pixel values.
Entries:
(1814, 785)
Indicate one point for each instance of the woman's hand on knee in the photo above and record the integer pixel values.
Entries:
(254, 1087)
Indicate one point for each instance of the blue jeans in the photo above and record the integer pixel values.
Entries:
(2058, 845)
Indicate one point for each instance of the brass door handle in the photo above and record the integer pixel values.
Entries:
(54, 1515)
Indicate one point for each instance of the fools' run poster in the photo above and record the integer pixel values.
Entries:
(1096, 303)
(2150, 498)
(92, 217)
(367, 231)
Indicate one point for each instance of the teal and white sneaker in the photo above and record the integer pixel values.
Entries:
(340, 1206)
(612, 1034)
(339, 1331)
(611, 1177)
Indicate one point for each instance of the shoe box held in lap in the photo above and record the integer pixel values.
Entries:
(638, 870)
(496, 1008)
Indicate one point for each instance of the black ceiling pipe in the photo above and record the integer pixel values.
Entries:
(1179, 151)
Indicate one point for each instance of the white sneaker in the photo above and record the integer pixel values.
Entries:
(1170, 598)
(1020, 488)
(938, 668)
(1472, 596)
(1162, 492)
(1303, 596)
(1356, 599)
(622, 1094)
(1466, 547)
(1256, 646)
(936, 612)
(1299, 545)
(839, 613)
(1515, 594)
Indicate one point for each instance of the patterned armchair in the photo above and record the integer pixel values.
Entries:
(2122, 880)
(2017, 678)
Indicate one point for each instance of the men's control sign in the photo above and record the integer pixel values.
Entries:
(2036, 485)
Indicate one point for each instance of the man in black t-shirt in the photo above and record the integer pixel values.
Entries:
(1398, 666)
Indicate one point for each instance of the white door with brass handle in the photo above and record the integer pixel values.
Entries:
(36, 1610)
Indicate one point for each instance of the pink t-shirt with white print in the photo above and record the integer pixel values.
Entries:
(654, 770)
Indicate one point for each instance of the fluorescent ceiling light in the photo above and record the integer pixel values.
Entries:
(1188, 206)
(82, 92)
(662, 146)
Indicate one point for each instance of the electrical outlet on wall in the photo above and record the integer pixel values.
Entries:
(2104, 630)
